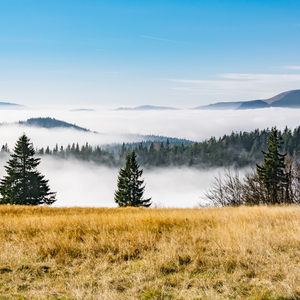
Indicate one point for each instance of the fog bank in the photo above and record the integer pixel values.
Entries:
(80, 183)
(196, 125)
(43, 137)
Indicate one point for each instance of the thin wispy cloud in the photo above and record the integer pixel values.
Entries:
(292, 67)
(238, 76)
(246, 85)
(164, 40)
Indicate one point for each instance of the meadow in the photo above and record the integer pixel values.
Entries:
(135, 253)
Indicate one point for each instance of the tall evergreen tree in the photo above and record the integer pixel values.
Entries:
(271, 173)
(130, 187)
(24, 185)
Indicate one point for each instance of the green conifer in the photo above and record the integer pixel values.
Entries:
(130, 187)
(271, 173)
(24, 185)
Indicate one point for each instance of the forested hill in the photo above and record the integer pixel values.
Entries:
(50, 123)
(241, 149)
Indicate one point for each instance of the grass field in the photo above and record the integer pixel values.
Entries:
(99, 253)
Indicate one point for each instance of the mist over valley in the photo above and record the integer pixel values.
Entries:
(84, 183)
(122, 126)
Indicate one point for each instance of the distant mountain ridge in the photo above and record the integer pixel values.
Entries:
(289, 99)
(83, 109)
(253, 104)
(147, 107)
(8, 105)
(220, 106)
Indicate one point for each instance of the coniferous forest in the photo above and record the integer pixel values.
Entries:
(238, 148)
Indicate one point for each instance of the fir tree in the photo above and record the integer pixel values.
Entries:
(130, 186)
(24, 185)
(271, 173)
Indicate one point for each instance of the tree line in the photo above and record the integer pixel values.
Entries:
(85, 152)
(274, 181)
(240, 149)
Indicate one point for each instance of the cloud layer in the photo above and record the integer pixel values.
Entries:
(80, 183)
(123, 126)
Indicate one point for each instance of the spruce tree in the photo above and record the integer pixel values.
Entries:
(271, 173)
(130, 187)
(24, 185)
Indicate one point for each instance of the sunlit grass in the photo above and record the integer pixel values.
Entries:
(132, 253)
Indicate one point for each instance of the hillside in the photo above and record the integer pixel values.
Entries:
(253, 104)
(238, 148)
(50, 123)
(220, 106)
(277, 97)
(289, 99)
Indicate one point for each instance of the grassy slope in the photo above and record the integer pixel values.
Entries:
(89, 253)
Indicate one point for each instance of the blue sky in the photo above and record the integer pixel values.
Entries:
(130, 53)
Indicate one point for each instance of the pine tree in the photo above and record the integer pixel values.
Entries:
(130, 187)
(271, 173)
(24, 185)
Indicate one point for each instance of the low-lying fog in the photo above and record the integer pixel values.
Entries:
(86, 184)
(79, 183)
(195, 125)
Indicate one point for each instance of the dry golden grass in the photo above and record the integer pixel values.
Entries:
(91, 253)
